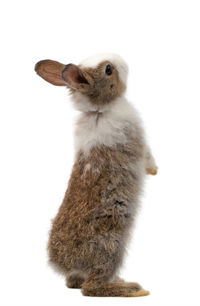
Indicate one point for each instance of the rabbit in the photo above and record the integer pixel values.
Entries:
(90, 233)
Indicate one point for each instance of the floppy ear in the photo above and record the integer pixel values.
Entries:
(76, 78)
(51, 72)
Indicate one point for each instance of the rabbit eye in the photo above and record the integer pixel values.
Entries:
(108, 70)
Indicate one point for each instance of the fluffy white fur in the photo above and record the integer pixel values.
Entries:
(105, 126)
(115, 59)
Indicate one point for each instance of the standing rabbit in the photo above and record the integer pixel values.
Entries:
(91, 230)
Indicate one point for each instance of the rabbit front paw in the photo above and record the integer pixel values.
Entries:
(152, 171)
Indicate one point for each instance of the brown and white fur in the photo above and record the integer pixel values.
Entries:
(90, 232)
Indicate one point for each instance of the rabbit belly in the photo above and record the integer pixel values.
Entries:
(98, 209)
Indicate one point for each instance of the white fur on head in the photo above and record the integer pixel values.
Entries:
(116, 60)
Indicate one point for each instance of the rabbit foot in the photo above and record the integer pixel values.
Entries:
(114, 289)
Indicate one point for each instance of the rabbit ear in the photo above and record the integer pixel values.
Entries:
(51, 72)
(76, 78)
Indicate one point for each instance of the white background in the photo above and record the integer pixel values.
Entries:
(160, 40)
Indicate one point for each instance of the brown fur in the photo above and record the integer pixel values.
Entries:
(75, 280)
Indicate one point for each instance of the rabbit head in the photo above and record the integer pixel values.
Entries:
(94, 83)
